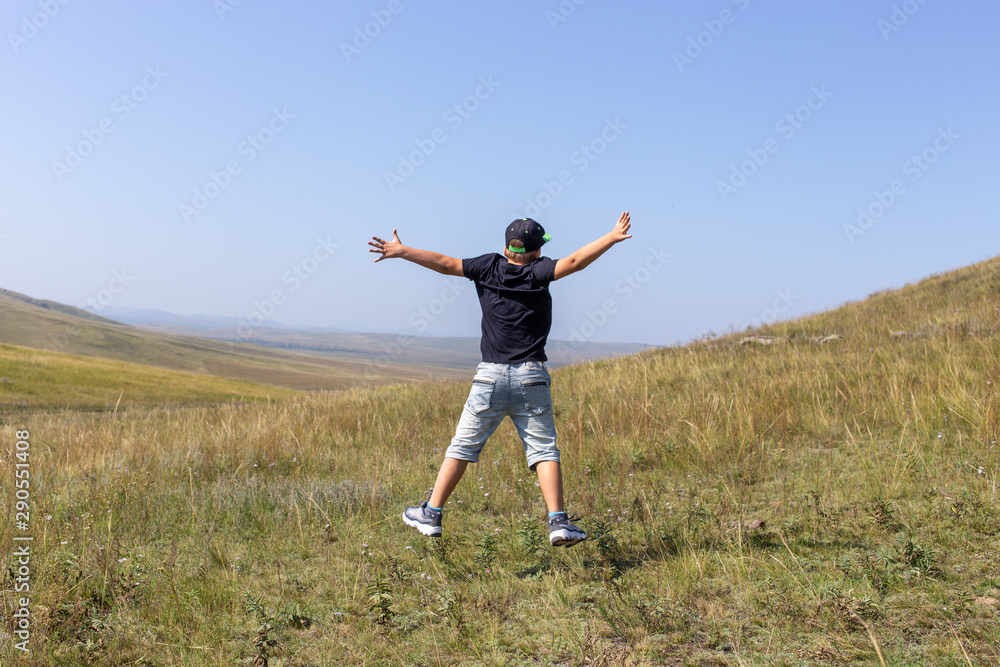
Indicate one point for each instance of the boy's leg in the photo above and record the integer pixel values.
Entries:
(532, 414)
(482, 414)
(550, 479)
(562, 533)
(448, 477)
(422, 517)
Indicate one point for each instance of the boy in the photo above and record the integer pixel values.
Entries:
(512, 381)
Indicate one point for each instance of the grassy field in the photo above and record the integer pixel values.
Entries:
(822, 491)
(32, 380)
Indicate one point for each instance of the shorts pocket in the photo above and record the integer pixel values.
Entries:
(537, 396)
(481, 395)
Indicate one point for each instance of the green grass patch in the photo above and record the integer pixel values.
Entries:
(794, 503)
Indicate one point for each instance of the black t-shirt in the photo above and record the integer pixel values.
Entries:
(517, 307)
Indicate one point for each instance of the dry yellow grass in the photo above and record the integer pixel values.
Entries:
(185, 535)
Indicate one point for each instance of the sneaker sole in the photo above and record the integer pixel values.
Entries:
(565, 538)
(428, 531)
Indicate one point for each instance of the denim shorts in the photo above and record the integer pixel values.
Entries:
(520, 391)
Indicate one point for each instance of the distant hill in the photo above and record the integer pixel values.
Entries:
(290, 358)
(47, 325)
(446, 352)
(11, 298)
(144, 317)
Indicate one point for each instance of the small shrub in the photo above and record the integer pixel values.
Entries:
(487, 553)
(380, 601)
(451, 605)
(528, 537)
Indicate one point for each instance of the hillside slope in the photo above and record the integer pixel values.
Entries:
(49, 326)
(33, 379)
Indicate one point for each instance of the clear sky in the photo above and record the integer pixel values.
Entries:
(234, 157)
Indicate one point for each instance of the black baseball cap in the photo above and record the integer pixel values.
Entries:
(529, 232)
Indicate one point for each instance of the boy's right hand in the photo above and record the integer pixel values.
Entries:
(388, 249)
(620, 232)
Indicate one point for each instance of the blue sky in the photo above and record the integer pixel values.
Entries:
(233, 158)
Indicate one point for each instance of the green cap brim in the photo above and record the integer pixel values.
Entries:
(545, 239)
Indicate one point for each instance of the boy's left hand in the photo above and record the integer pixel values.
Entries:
(620, 232)
(388, 249)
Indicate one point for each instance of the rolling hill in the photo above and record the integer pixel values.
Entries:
(46, 325)
(52, 354)
(32, 380)
(447, 352)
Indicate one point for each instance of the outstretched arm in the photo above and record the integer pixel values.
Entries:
(582, 258)
(432, 260)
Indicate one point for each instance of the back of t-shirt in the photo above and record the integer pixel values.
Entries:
(517, 306)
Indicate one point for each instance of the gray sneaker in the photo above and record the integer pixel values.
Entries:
(427, 521)
(564, 534)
